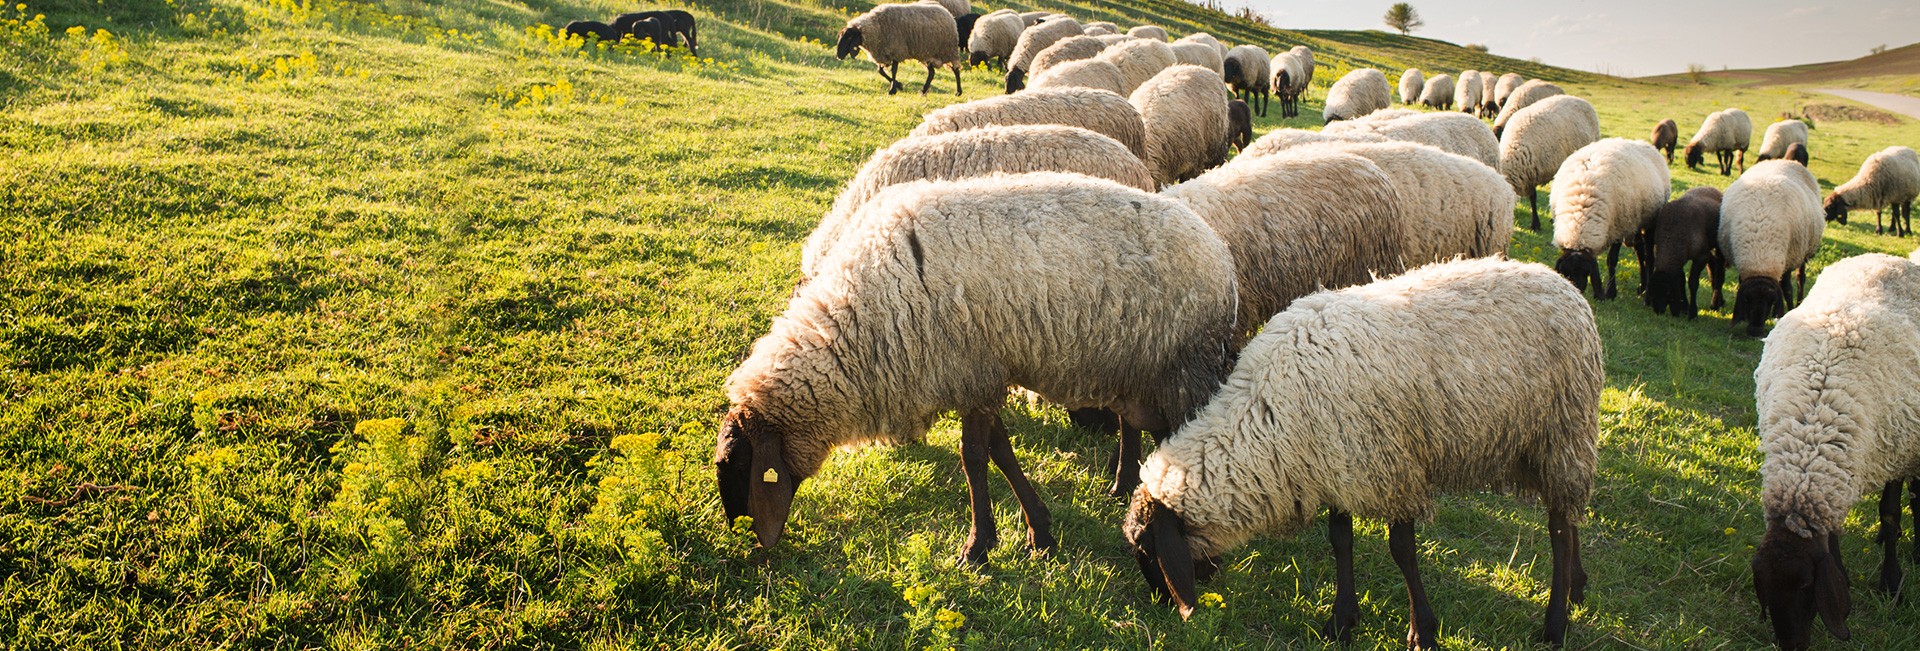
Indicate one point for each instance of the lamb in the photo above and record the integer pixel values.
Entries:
(1466, 91)
(891, 33)
(1458, 134)
(1438, 93)
(1723, 133)
(1769, 225)
(1412, 83)
(1246, 71)
(1101, 28)
(1072, 48)
(1453, 205)
(1604, 194)
(971, 153)
(1543, 136)
(1371, 401)
(1834, 391)
(1687, 230)
(1098, 111)
(956, 7)
(649, 30)
(1358, 93)
(1780, 136)
(1890, 177)
(1195, 53)
(1138, 60)
(1148, 32)
(1203, 37)
(993, 37)
(1034, 40)
(675, 22)
(1239, 125)
(1488, 84)
(1279, 140)
(893, 332)
(593, 28)
(1665, 134)
(1297, 222)
(1184, 109)
(1526, 95)
(1090, 73)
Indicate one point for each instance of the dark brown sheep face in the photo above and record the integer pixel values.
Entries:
(1579, 267)
(1016, 80)
(1797, 153)
(1158, 538)
(755, 480)
(1796, 578)
(1239, 124)
(850, 41)
(1696, 155)
(1837, 209)
(1668, 289)
(1759, 299)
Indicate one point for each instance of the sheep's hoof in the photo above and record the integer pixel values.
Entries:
(1336, 631)
(974, 553)
(1042, 542)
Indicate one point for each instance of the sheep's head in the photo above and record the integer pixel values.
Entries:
(977, 58)
(1696, 155)
(1579, 266)
(1016, 80)
(1668, 289)
(1797, 153)
(1230, 70)
(850, 41)
(755, 479)
(1796, 577)
(1239, 124)
(1759, 299)
(1158, 538)
(1837, 209)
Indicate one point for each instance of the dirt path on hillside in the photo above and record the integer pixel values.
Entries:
(1902, 104)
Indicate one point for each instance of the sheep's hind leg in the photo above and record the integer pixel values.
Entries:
(1568, 575)
(1346, 606)
(929, 84)
(1717, 268)
(1421, 627)
(956, 80)
(1889, 539)
(1126, 462)
(976, 445)
(1039, 519)
(893, 80)
(1533, 200)
(1613, 267)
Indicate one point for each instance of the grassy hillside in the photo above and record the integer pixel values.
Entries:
(1893, 71)
(394, 323)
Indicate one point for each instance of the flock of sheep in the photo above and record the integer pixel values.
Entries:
(1324, 320)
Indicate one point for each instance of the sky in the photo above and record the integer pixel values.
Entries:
(1633, 38)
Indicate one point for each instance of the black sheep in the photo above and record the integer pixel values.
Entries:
(674, 21)
(1665, 135)
(1239, 124)
(1686, 230)
(965, 26)
(594, 28)
(650, 29)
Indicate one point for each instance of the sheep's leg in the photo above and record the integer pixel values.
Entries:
(1743, 161)
(929, 83)
(1717, 267)
(1421, 626)
(1876, 224)
(1568, 576)
(1533, 200)
(1346, 606)
(1913, 505)
(1039, 519)
(956, 80)
(1693, 288)
(893, 80)
(1613, 267)
(1802, 289)
(976, 444)
(1126, 462)
(1889, 539)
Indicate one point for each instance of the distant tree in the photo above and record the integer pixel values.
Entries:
(1697, 72)
(1402, 17)
(1878, 48)
(1476, 47)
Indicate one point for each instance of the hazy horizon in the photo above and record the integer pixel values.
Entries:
(1634, 38)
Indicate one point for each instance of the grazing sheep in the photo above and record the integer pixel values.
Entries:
(971, 153)
(1438, 93)
(1606, 193)
(1466, 91)
(1195, 53)
(1110, 39)
(1203, 37)
(993, 37)
(1148, 32)
(1099, 111)
(1722, 134)
(1412, 83)
(675, 22)
(1246, 71)
(1488, 84)
(1358, 93)
(1453, 205)
(1890, 177)
(1139, 60)
(1780, 136)
(1031, 18)
(894, 331)
(1298, 222)
(1769, 225)
(1526, 95)
(1184, 109)
(1665, 134)
(1834, 391)
(1453, 133)
(956, 7)
(1292, 72)
(596, 29)
(1687, 230)
(1101, 28)
(1035, 39)
(1505, 86)
(1072, 48)
(1239, 125)
(649, 30)
(891, 33)
(1279, 140)
(1090, 73)
(1542, 137)
(1371, 401)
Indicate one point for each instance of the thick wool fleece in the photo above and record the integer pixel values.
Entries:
(1095, 110)
(1089, 73)
(1438, 92)
(1727, 130)
(1526, 95)
(1455, 133)
(1837, 389)
(956, 7)
(934, 304)
(1290, 64)
(1453, 205)
(1071, 48)
(1256, 73)
(1305, 56)
(1152, 32)
(1196, 53)
(994, 35)
(1770, 219)
(1542, 136)
(1781, 135)
(920, 31)
(1890, 176)
(1279, 140)
(1375, 399)
(1036, 38)
(1138, 60)
(1203, 37)
(1412, 84)
(1184, 110)
(1358, 93)
(1505, 86)
(1607, 191)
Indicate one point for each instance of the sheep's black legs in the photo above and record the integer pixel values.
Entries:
(1533, 200)
(956, 80)
(893, 80)
(976, 434)
(1613, 265)
(1568, 575)
(1126, 463)
(1346, 605)
(1889, 539)
(929, 84)
(1693, 288)
(1802, 289)
(1422, 629)
(1039, 519)
(1717, 266)
(1913, 504)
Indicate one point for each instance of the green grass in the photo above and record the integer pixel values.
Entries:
(360, 352)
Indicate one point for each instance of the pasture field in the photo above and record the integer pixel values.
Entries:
(402, 324)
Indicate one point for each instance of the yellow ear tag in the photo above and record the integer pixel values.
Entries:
(771, 477)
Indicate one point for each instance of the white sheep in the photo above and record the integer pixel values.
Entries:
(1526, 95)
(1031, 18)
(1373, 400)
(1101, 28)
(1890, 177)
(1184, 110)
(1247, 73)
(1296, 222)
(1203, 37)
(1148, 32)
(1835, 395)
(993, 37)
(1138, 59)
(1605, 194)
(1780, 136)
(1488, 84)
(957, 8)
(1770, 225)
(929, 308)
(1195, 53)
(1505, 87)
(1723, 134)
(1466, 91)
(1099, 111)
(1438, 93)
(970, 153)
(1451, 132)
(1453, 206)
(1072, 48)
(1541, 137)
(1035, 39)
(1279, 140)
(1412, 83)
(1110, 39)
(1089, 73)
(1356, 94)
(1292, 72)
(891, 33)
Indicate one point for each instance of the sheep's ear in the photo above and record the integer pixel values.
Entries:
(733, 462)
(755, 479)
(1176, 558)
(1830, 594)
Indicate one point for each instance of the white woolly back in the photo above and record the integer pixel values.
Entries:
(995, 34)
(1071, 48)
(1184, 110)
(1506, 85)
(1466, 91)
(1770, 219)
(1542, 136)
(1148, 32)
(1526, 95)
(1488, 82)
(1889, 176)
(1438, 91)
(1303, 55)
(1195, 53)
(1453, 206)
(1781, 135)
(1203, 37)
(1096, 110)
(1606, 191)
(1279, 140)
(1139, 60)
(1037, 37)
(1742, 127)
(1456, 133)
(1255, 69)
(1412, 83)
(923, 31)
(1356, 94)
(1087, 73)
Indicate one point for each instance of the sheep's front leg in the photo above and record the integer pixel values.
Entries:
(1346, 606)
(893, 80)
(956, 80)
(1422, 630)
(1613, 266)
(1889, 539)
(1126, 463)
(976, 444)
(1533, 200)
(1717, 268)
(1568, 575)
(1693, 287)
(1039, 519)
